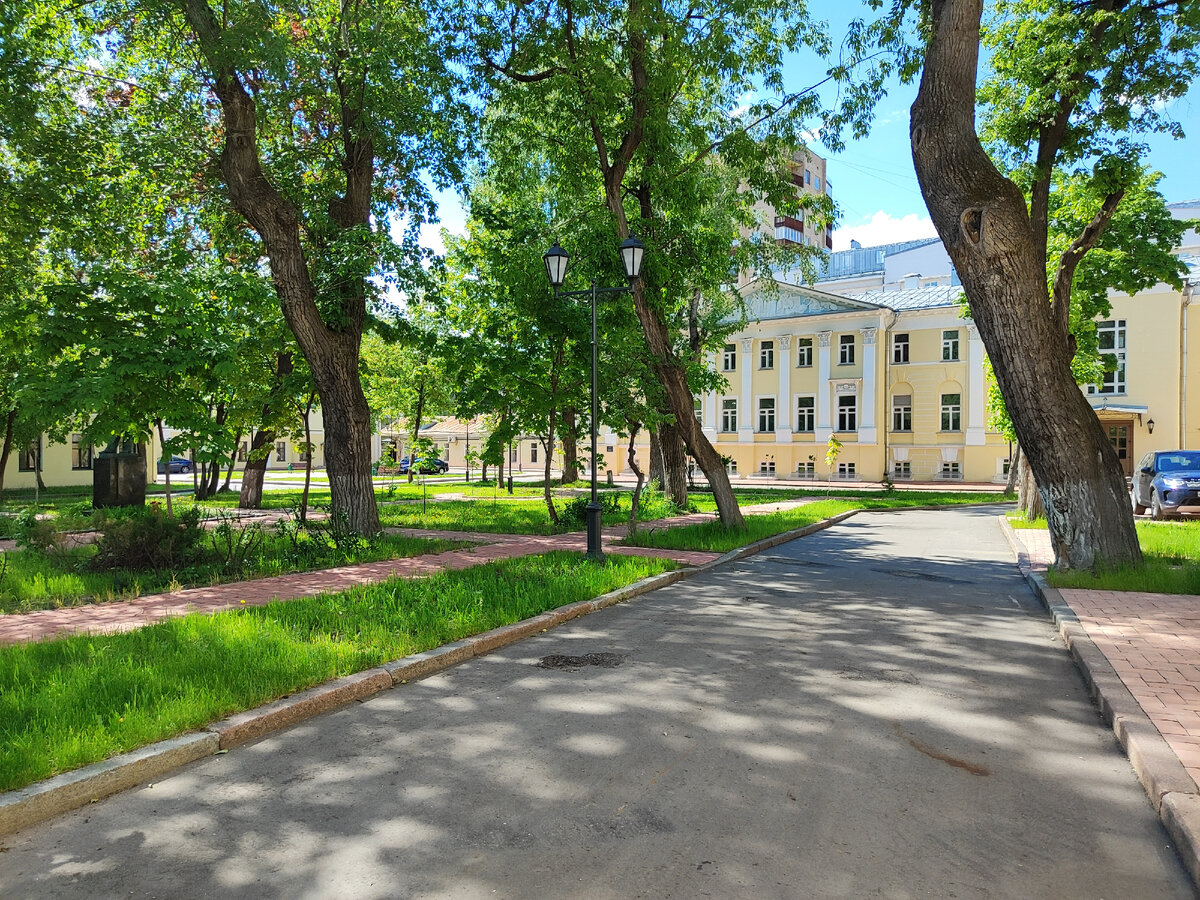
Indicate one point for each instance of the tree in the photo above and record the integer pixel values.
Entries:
(321, 117)
(1073, 79)
(649, 127)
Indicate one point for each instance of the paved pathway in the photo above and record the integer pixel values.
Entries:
(1153, 643)
(134, 613)
(877, 710)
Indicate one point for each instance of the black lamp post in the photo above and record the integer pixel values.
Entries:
(556, 259)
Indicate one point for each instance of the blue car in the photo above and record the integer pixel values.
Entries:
(1167, 482)
(429, 465)
(179, 464)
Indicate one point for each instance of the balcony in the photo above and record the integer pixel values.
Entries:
(789, 222)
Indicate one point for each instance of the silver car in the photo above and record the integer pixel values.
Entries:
(1167, 482)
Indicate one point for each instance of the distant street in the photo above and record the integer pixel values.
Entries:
(878, 710)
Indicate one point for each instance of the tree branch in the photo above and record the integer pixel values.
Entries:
(1061, 292)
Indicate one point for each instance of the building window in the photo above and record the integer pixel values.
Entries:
(951, 470)
(817, 182)
(766, 355)
(281, 451)
(766, 414)
(807, 177)
(806, 469)
(902, 469)
(243, 449)
(847, 413)
(81, 453)
(806, 414)
(729, 415)
(951, 412)
(698, 410)
(1006, 466)
(731, 466)
(900, 348)
(729, 358)
(902, 412)
(950, 345)
(766, 467)
(533, 452)
(29, 457)
(303, 453)
(512, 455)
(846, 470)
(803, 353)
(1110, 337)
(846, 350)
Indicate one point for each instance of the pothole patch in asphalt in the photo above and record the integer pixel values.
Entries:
(898, 676)
(570, 663)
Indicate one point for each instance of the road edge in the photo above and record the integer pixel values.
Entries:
(1171, 790)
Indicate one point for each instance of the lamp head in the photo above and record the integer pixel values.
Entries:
(632, 251)
(556, 259)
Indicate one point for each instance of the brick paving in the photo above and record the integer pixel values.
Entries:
(1153, 644)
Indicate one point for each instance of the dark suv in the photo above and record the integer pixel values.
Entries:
(1167, 482)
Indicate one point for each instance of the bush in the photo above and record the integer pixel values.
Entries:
(34, 532)
(574, 512)
(150, 539)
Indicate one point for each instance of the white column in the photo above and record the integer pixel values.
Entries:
(975, 402)
(866, 397)
(376, 447)
(710, 408)
(824, 422)
(783, 402)
(746, 403)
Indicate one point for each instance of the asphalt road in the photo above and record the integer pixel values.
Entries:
(878, 710)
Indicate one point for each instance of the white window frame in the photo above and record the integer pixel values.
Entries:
(765, 410)
(847, 414)
(729, 415)
(902, 469)
(766, 355)
(729, 358)
(950, 345)
(951, 413)
(804, 348)
(901, 413)
(1111, 382)
(806, 415)
(846, 350)
(900, 348)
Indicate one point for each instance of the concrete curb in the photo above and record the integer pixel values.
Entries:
(1170, 788)
(71, 790)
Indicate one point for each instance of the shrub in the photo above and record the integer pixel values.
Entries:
(150, 539)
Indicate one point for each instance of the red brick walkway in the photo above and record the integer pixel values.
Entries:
(1153, 643)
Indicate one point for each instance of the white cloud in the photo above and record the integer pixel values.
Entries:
(881, 228)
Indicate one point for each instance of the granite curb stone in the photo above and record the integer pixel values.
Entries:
(38, 802)
(71, 790)
(1169, 787)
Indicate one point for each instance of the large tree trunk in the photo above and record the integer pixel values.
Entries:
(1010, 486)
(983, 220)
(332, 352)
(10, 422)
(674, 464)
(657, 467)
(570, 447)
(1029, 498)
(254, 474)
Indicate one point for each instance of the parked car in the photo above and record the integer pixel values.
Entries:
(179, 464)
(1167, 482)
(428, 465)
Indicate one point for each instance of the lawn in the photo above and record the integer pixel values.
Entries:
(32, 580)
(715, 538)
(78, 700)
(1171, 553)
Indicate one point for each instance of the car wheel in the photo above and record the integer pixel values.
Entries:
(186, 470)
(1156, 510)
(1138, 508)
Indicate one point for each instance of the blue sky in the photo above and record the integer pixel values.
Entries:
(873, 180)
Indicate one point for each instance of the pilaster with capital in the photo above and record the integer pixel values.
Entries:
(746, 401)
(824, 401)
(976, 404)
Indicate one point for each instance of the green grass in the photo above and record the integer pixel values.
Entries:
(34, 580)
(715, 538)
(1018, 521)
(1171, 554)
(78, 700)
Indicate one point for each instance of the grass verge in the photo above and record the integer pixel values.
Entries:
(1171, 553)
(30, 580)
(78, 700)
(716, 538)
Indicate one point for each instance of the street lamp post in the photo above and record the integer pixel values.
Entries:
(556, 259)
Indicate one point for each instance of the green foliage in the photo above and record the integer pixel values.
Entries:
(150, 540)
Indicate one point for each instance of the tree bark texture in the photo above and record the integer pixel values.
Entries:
(636, 504)
(1029, 498)
(332, 354)
(674, 457)
(10, 422)
(570, 445)
(656, 459)
(983, 221)
(254, 474)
